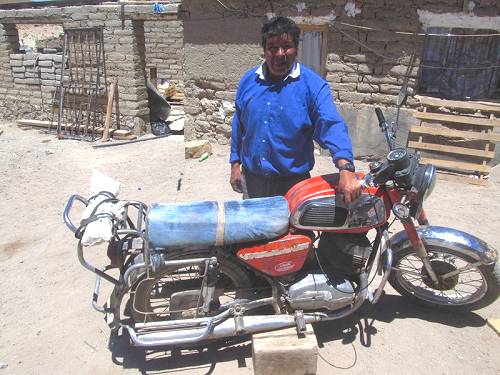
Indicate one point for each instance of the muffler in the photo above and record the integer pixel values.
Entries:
(229, 324)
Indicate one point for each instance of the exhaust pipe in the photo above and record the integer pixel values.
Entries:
(181, 332)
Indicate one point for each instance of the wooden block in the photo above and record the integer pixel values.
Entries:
(495, 324)
(121, 137)
(283, 352)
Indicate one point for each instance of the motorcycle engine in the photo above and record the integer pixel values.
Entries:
(343, 254)
(315, 291)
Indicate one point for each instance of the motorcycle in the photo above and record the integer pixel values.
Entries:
(193, 272)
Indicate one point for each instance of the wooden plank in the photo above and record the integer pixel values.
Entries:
(455, 104)
(49, 124)
(456, 119)
(109, 108)
(456, 165)
(494, 324)
(461, 178)
(455, 133)
(451, 149)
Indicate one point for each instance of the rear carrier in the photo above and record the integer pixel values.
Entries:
(314, 205)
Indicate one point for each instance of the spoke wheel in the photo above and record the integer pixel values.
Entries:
(471, 287)
(173, 293)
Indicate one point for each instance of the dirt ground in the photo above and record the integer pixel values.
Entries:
(47, 324)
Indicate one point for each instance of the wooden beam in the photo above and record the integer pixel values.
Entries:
(109, 109)
(461, 178)
(451, 149)
(455, 104)
(455, 119)
(49, 124)
(457, 165)
(456, 133)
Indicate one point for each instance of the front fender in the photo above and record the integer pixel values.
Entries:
(449, 238)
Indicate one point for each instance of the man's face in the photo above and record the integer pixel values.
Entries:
(280, 53)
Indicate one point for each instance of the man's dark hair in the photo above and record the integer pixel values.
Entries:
(278, 26)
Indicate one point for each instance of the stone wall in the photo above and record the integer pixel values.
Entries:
(369, 48)
(125, 44)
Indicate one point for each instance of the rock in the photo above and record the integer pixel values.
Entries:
(494, 173)
(195, 149)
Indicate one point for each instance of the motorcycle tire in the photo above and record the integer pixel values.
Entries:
(232, 277)
(410, 279)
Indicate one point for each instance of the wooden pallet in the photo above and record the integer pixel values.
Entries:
(456, 136)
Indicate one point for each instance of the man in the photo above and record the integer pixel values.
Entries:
(281, 107)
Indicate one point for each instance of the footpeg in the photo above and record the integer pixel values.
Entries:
(300, 322)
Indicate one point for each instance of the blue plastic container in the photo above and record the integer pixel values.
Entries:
(195, 223)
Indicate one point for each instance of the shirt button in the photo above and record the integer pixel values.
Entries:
(263, 158)
(268, 103)
(263, 141)
(265, 122)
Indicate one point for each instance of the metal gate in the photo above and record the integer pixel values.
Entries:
(81, 97)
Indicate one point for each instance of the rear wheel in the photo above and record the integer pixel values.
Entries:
(463, 284)
(173, 292)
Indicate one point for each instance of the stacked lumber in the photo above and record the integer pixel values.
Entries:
(456, 136)
(117, 134)
(178, 97)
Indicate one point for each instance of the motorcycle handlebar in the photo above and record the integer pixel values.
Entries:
(67, 210)
(380, 116)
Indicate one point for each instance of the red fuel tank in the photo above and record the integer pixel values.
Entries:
(313, 206)
(279, 257)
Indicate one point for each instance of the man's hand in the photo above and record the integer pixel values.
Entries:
(349, 186)
(235, 179)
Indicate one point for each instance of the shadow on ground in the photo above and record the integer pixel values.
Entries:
(362, 325)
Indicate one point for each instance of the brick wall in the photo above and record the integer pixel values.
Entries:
(365, 65)
(164, 42)
(28, 82)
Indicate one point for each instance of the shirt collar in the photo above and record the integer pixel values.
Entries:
(294, 72)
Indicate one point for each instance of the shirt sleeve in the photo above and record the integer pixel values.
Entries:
(330, 131)
(236, 128)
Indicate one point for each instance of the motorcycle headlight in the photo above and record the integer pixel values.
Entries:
(424, 180)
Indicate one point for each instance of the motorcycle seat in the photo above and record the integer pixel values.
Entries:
(212, 223)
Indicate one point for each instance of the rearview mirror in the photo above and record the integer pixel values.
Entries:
(402, 96)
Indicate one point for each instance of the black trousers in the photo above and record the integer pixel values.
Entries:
(255, 186)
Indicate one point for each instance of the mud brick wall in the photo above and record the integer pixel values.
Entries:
(37, 68)
(365, 65)
(164, 42)
(28, 82)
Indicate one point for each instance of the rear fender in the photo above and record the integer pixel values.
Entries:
(449, 238)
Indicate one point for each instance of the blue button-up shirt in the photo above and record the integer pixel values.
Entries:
(275, 123)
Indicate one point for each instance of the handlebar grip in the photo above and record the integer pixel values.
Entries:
(67, 210)
(380, 116)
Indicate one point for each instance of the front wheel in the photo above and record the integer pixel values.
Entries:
(463, 284)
